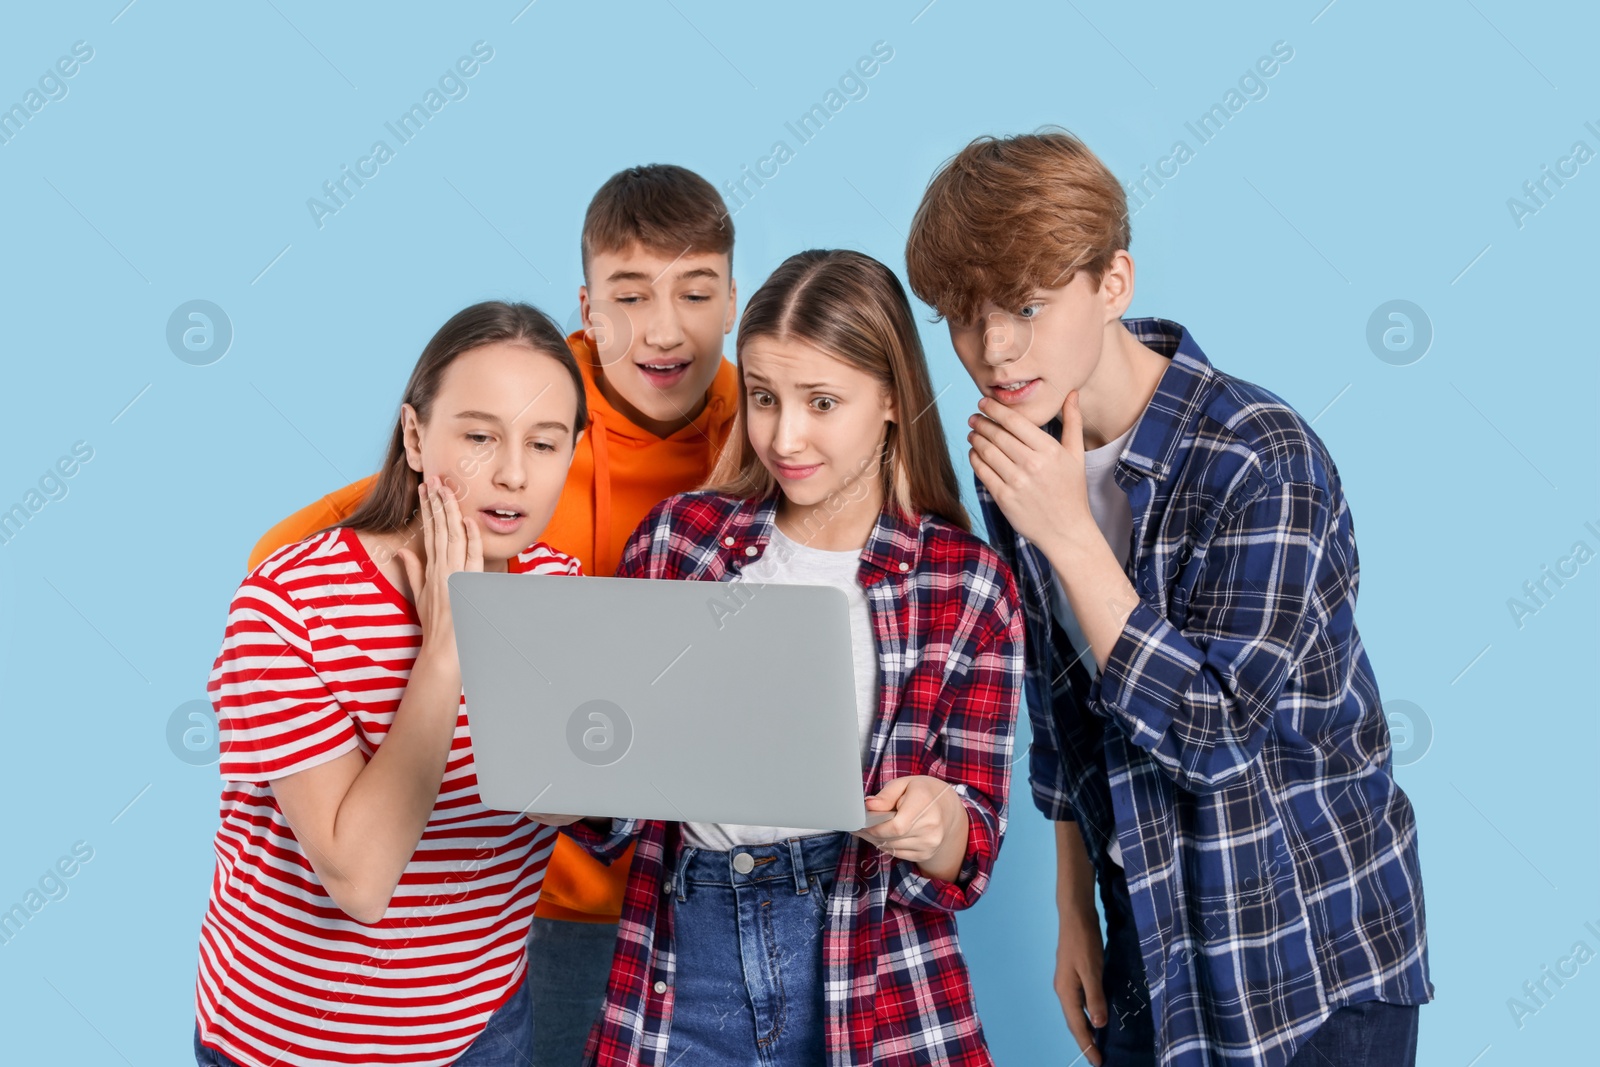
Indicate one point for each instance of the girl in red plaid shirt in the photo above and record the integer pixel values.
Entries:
(744, 944)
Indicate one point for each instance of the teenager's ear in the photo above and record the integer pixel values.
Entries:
(411, 436)
(1116, 285)
(583, 308)
(732, 316)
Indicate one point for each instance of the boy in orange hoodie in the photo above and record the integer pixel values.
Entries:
(657, 299)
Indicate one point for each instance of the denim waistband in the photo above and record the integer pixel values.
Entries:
(795, 859)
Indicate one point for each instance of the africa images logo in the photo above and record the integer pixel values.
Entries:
(599, 732)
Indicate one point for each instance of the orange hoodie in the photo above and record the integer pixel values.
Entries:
(619, 472)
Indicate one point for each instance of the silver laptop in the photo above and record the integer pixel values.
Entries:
(681, 700)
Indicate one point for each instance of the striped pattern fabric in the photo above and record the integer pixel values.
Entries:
(1234, 744)
(314, 661)
(949, 639)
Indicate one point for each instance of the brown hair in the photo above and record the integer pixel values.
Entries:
(666, 208)
(852, 307)
(392, 500)
(1006, 216)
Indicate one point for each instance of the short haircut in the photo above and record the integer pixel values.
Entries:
(1006, 216)
(666, 208)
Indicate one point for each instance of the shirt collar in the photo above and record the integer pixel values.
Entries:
(893, 547)
(1161, 430)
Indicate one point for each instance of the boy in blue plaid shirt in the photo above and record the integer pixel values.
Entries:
(1207, 732)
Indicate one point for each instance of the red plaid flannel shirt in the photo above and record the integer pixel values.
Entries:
(949, 634)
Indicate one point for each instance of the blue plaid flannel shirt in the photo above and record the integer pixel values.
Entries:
(1234, 743)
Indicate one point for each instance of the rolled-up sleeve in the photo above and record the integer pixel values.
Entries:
(977, 745)
(605, 847)
(1201, 699)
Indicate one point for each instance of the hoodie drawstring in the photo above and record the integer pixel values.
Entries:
(713, 452)
(604, 565)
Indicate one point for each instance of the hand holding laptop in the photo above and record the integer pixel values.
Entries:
(928, 822)
(560, 724)
(553, 820)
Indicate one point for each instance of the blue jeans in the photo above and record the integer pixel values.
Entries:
(1129, 1037)
(747, 930)
(1368, 1034)
(1356, 1035)
(568, 964)
(507, 1040)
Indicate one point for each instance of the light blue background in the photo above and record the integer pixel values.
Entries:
(1378, 167)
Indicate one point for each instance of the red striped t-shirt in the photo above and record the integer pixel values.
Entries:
(314, 661)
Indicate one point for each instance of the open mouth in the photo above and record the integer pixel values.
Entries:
(501, 520)
(1015, 392)
(663, 374)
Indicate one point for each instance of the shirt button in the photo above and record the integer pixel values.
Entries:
(744, 863)
(904, 567)
(661, 987)
(728, 541)
(750, 551)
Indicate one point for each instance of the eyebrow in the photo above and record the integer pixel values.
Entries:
(641, 276)
(757, 377)
(484, 416)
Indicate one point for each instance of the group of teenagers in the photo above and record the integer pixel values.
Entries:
(1168, 583)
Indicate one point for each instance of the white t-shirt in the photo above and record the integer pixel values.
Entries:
(1114, 515)
(788, 562)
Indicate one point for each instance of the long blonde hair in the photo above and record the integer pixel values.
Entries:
(854, 308)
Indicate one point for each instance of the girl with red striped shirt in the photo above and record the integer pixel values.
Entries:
(366, 907)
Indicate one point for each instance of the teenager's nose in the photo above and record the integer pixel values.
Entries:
(511, 469)
(663, 330)
(789, 438)
(999, 339)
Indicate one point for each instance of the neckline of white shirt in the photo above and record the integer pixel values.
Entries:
(824, 553)
(1108, 454)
